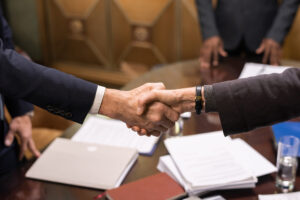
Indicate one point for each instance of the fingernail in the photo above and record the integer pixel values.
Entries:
(7, 142)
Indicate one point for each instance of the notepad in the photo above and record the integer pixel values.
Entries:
(99, 130)
(206, 162)
(82, 164)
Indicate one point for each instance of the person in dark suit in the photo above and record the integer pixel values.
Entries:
(20, 112)
(251, 27)
(242, 104)
(23, 81)
(73, 98)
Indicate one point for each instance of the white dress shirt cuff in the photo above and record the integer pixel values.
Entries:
(98, 100)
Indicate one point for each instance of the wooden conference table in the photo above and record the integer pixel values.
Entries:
(174, 76)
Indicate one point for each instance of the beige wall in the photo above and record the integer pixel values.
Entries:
(291, 48)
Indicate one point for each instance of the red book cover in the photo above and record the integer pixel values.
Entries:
(156, 187)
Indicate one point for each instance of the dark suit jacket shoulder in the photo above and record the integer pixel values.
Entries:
(245, 104)
(55, 91)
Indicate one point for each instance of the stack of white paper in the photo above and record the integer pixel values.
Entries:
(288, 196)
(205, 162)
(100, 130)
(254, 69)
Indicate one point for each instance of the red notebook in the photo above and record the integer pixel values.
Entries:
(156, 187)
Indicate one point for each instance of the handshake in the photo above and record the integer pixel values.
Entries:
(148, 109)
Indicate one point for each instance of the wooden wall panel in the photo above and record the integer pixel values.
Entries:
(142, 11)
(165, 33)
(105, 33)
(291, 47)
(77, 31)
(190, 38)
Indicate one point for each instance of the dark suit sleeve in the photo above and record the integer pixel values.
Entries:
(59, 93)
(249, 103)
(283, 20)
(206, 18)
(15, 107)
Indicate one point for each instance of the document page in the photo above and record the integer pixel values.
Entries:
(251, 159)
(205, 160)
(288, 196)
(113, 132)
(167, 165)
(254, 69)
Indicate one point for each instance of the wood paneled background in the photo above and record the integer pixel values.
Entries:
(94, 38)
(100, 35)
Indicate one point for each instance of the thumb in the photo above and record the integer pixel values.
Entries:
(9, 138)
(158, 86)
(145, 98)
(164, 96)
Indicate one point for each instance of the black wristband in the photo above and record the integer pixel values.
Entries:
(198, 100)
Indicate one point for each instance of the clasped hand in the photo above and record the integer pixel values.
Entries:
(181, 100)
(148, 109)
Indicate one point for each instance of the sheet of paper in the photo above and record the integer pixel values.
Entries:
(112, 132)
(287, 196)
(251, 159)
(243, 153)
(205, 160)
(167, 165)
(254, 69)
(218, 197)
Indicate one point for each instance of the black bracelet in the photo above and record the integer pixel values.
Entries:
(198, 100)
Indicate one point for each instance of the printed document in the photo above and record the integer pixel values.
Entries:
(100, 130)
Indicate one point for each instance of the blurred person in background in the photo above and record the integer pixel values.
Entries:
(21, 113)
(254, 29)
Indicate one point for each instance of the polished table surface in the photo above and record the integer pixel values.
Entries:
(16, 186)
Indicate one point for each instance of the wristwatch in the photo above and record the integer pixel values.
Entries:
(198, 100)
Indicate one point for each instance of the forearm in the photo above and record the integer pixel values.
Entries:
(50, 89)
(113, 104)
(245, 104)
(186, 97)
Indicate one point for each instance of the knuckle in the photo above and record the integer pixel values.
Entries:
(157, 118)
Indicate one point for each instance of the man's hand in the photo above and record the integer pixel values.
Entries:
(271, 50)
(22, 126)
(181, 100)
(123, 105)
(210, 51)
